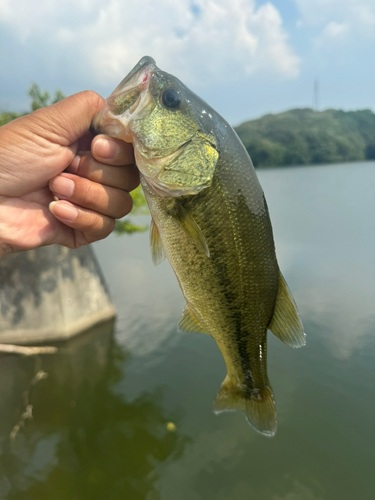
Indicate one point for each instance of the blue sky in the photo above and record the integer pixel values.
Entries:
(245, 57)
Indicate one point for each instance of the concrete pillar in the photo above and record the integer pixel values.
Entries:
(50, 294)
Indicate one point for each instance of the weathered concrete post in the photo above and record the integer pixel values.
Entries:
(51, 293)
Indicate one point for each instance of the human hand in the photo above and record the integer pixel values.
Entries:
(35, 150)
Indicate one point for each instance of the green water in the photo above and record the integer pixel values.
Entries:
(99, 426)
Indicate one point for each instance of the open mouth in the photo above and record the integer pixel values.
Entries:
(135, 105)
(129, 97)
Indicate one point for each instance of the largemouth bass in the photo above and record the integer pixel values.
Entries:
(210, 219)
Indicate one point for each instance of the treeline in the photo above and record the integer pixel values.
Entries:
(295, 137)
(305, 137)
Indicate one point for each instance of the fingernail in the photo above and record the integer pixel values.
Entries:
(63, 210)
(62, 186)
(73, 167)
(105, 148)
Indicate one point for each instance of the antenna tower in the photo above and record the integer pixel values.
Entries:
(316, 95)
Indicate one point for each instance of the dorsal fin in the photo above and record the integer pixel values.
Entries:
(156, 246)
(189, 322)
(286, 323)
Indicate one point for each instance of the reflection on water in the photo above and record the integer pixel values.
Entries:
(99, 424)
(325, 235)
(84, 440)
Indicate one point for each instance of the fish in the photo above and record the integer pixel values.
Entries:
(210, 220)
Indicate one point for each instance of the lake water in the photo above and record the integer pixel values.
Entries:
(99, 429)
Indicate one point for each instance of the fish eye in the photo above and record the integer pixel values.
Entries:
(171, 98)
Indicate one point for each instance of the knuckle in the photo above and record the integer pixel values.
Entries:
(109, 227)
(91, 192)
(87, 168)
(82, 167)
(123, 206)
(95, 224)
(101, 227)
(92, 98)
(134, 184)
(133, 179)
(95, 172)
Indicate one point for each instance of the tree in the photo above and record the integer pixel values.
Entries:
(41, 99)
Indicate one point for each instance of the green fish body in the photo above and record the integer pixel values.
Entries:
(210, 219)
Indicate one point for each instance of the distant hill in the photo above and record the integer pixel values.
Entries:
(305, 137)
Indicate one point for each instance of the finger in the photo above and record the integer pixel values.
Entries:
(95, 226)
(106, 200)
(67, 120)
(112, 151)
(86, 166)
(85, 141)
(41, 196)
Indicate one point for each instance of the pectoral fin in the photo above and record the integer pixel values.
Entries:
(286, 323)
(156, 246)
(190, 226)
(189, 322)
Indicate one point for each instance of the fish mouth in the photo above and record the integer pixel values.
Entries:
(128, 99)
(144, 63)
(135, 105)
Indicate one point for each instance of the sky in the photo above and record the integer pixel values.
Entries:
(246, 58)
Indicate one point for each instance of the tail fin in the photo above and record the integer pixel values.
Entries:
(259, 408)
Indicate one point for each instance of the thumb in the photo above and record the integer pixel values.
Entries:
(67, 120)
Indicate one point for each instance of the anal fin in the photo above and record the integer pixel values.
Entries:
(286, 323)
(189, 322)
(258, 406)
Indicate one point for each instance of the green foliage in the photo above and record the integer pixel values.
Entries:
(59, 96)
(139, 202)
(139, 208)
(125, 226)
(304, 136)
(7, 117)
(41, 99)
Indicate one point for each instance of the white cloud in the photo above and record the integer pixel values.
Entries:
(195, 39)
(356, 14)
(331, 33)
(338, 22)
(335, 30)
